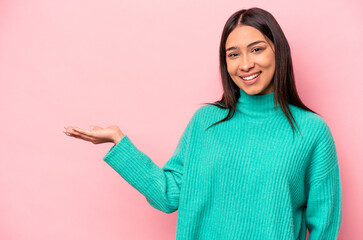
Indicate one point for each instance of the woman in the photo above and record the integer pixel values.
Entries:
(239, 170)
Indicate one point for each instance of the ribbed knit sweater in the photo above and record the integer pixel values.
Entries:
(244, 178)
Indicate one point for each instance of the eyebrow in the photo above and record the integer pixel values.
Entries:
(249, 45)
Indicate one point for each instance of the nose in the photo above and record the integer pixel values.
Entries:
(246, 63)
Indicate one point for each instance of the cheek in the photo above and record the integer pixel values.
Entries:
(272, 63)
(268, 62)
(231, 68)
(271, 60)
(228, 67)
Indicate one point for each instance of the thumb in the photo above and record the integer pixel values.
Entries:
(94, 127)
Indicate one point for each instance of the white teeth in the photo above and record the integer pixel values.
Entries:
(251, 77)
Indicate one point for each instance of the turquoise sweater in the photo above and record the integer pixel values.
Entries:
(245, 178)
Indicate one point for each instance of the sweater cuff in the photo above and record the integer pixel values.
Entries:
(118, 146)
(133, 165)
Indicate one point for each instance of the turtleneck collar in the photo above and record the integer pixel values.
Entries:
(257, 106)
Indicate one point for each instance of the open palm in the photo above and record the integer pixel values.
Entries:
(96, 134)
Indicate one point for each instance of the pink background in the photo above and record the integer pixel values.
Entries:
(145, 66)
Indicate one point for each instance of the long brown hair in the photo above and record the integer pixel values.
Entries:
(284, 82)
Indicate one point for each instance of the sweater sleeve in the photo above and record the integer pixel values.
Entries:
(160, 186)
(324, 204)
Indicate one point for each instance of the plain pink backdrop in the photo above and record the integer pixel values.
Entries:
(145, 66)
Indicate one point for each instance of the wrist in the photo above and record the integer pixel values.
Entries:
(117, 138)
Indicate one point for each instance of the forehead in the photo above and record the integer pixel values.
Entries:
(243, 35)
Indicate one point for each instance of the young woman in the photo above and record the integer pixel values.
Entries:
(258, 164)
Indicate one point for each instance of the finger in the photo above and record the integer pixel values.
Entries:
(85, 134)
(67, 133)
(72, 132)
(83, 137)
(69, 129)
(83, 131)
(95, 127)
(89, 139)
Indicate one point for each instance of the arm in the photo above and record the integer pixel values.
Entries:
(324, 204)
(160, 186)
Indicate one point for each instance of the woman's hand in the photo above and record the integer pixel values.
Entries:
(96, 134)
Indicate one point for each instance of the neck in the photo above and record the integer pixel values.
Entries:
(257, 106)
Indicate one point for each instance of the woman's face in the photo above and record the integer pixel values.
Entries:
(250, 60)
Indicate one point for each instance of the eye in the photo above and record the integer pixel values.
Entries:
(257, 49)
(233, 55)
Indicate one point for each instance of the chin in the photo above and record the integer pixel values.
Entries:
(252, 92)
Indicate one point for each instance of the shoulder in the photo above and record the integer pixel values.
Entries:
(205, 115)
(209, 113)
(316, 128)
(307, 119)
(313, 127)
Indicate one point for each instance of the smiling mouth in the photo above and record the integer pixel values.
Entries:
(249, 78)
